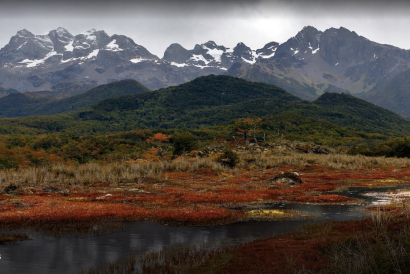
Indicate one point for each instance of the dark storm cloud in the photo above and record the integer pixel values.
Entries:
(119, 9)
(156, 24)
(101, 4)
(206, 7)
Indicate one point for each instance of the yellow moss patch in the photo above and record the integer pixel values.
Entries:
(276, 215)
(76, 199)
(265, 212)
(389, 182)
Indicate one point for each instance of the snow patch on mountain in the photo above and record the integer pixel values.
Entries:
(22, 45)
(90, 35)
(69, 46)
(198, 58)
(249, 61)
(268, 56)
(82, 46)
(295, 51)
(93, 54)
(314, 51)
(229, 50)
(33, 63)
(113, 46)
(178, 65)
(138, 60)
(215, 53)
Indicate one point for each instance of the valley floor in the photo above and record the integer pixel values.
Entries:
(96, 198)
(184, 191)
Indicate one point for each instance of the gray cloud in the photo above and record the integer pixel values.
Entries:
(156, 24)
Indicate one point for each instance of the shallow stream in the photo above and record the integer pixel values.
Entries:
(46, 254)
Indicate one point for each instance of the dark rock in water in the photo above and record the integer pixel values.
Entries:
(287, 177)
(11, 188)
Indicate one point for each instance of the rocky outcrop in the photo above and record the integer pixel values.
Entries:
(286, 177)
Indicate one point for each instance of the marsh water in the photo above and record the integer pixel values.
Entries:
(44, 254)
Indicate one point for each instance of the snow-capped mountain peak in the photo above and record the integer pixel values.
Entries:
(209, 55)
(308, 64)
(24, 33)
(62, 32)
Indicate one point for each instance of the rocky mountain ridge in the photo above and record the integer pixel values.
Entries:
(64, 63)
(307, 65)
(336, 60)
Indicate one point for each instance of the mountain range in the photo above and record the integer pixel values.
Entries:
(68, 64)
(59, 64)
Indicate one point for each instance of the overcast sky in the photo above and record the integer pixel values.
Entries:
(155, 24)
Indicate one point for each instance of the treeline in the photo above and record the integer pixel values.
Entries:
(21, 150)
(206, 102)
(38, 150)
(397, 147)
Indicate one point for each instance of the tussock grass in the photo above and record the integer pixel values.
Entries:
(336, 161)
(383, 249)
(94, 173)
(135, 172)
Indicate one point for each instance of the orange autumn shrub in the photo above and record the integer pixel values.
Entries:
(152, 154)
(159, 138)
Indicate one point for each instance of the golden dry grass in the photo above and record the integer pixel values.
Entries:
(135, 172)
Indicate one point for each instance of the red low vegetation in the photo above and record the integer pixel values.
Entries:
(188, 198)
(292, 252)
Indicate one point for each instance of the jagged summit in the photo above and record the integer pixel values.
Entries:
(268, 51)
(334, 60)
(62, 32)
(90, 31)
(308, 28)
(24, 33)
(70, 63)
(60, 47)
(210, 44)
(176, 53)
(208, 55)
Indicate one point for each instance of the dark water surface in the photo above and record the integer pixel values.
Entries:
(46, 254)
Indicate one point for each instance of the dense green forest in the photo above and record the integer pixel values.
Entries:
(201, 112)
(19, 150)
(210, 101)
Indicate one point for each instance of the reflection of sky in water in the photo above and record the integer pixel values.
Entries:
(386, 198)
(69, 255)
